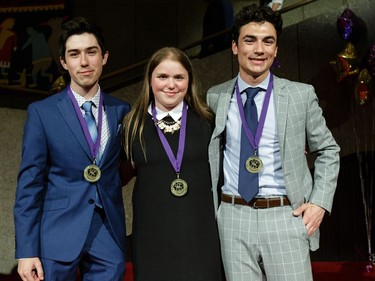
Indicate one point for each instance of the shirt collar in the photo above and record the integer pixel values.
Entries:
(242, 85)
(81, 100)
(175, 113)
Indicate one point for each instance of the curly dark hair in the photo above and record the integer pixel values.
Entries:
(253, 13)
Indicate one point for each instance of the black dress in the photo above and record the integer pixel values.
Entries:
(174, 238)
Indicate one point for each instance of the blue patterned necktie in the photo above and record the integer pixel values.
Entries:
(248, 183)
(90, 120)
(91, 124)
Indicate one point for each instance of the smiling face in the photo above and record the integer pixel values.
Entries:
(84, 61)
(169, 83)
(256, 50)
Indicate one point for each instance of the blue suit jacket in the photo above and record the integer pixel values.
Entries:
(54, 203)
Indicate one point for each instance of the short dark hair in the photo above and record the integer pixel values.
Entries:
(79, 26)
(253, 13)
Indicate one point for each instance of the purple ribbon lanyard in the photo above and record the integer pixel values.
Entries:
(175, 161)
(255, 141)
(94, 148)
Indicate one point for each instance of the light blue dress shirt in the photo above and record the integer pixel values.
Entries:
(271, 180)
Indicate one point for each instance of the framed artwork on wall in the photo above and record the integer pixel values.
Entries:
(29, 60)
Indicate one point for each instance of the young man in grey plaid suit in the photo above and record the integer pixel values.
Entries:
(268, 226)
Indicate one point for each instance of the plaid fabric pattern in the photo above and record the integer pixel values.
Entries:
(258, 240)
(218, 99)
(273, 239)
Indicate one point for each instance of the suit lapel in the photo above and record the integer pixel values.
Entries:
(223, 106)
(112, 126)
(281, 99)
(67, 111)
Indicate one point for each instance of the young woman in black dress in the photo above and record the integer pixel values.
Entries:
(167, 133)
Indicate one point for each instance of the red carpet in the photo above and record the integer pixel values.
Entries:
(129, 272)
(323, 271)
(343, 271)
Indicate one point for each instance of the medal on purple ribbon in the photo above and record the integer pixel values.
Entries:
(178, 187)
(92, 173)
(254, 164)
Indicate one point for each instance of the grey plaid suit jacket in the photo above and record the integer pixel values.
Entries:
(299, 122)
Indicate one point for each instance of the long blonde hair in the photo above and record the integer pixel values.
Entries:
(134, 121)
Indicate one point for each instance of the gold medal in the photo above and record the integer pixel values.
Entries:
(254, 164)
(92, 173)
(179, 187)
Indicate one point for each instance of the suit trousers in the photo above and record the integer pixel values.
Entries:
(100, 259)
(263, 244)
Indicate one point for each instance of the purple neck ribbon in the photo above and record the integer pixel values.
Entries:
(94, 147)
(175, 161)
(255, 141)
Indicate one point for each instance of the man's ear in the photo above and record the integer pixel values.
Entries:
(63, 63)
(234, 48)
(105, 58)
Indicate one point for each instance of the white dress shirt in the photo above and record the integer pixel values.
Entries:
(95, 111)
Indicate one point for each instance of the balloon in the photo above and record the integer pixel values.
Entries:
(58, 85)
(346, 63)
(349, 26)
(370, 60)
(364, 87)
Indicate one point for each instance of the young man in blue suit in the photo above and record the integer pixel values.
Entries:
(271, 206)
(69, 212)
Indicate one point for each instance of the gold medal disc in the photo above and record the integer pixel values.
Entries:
(254, 164)
(179, 187)
(92, 173)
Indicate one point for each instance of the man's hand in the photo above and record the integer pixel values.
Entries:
(30, 269)
(312, 216)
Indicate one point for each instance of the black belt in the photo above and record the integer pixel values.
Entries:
(257, 203)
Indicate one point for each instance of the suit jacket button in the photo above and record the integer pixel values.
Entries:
(91, 201)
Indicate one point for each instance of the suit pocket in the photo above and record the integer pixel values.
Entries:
(51, 204)
(301, 226)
